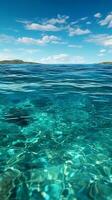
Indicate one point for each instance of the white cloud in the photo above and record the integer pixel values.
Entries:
(78, 31)
(98, 15)
(28, 40)
(23, 21)
(102, 50)
(60, 19)
(62, 59)
(8, 54)
(74, 22)
(83, 18)
(78, 20)
(52, 24)
(44, 40)
(88, 23)
(101, 39)
(42, 27)
(107, 21)
(101, 54)
(74, 46)
(59, 23)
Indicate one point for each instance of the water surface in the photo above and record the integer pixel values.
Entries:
(55, 132)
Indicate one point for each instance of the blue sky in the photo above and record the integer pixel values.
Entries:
(56, 31)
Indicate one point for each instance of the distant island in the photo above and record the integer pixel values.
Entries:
(106, 63)
(16, 62)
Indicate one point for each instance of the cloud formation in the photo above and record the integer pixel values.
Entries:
(97, 15)
(60, 23)
(41, 27)
(44, 40)
(75, 46)
(75, 34)
(52, 24)
(107, 21)
(60, 19)
(101, 39)
(62, 58)
(78, 31)
(102, 50)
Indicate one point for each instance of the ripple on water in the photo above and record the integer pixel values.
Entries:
(55, 132)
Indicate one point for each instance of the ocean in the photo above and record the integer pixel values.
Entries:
(56, 132)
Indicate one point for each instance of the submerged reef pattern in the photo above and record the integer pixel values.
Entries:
(55, 132)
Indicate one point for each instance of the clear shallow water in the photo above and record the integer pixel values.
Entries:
(55, 132)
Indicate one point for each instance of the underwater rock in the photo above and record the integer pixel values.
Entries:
(29, 161)
(42, 102)
(90, 191)
(34, 147)
(55, 190)
(65, 192)
(22, 192)
(7, 180)
(33, 164)
(4, 139)
(37, 195)
(18, 116)
(19, 144)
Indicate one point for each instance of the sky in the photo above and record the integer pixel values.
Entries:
(56, 31)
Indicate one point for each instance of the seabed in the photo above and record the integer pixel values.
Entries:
(55, 133)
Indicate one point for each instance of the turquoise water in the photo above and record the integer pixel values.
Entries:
(55, 132)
